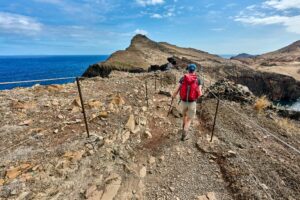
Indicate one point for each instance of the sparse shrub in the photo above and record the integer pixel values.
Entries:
(286, 124)
(261, 104)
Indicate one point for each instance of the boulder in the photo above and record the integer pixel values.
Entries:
(143, 172)
(113, 183)
(228, 90)
(130, 125)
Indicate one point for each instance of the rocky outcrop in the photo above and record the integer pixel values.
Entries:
(144, 54)
(228, 90)
(104, 70)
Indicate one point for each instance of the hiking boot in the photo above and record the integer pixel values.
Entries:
(185, 135)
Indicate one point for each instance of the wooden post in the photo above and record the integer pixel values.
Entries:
(82, 105)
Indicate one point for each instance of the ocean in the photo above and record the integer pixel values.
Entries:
(227, 56)
(22, 68)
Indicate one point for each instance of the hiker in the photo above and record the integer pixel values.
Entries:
(190, 90)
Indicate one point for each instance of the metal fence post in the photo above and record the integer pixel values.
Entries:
(82, 105)
(146, 93)
(215, 119)
(155, 82)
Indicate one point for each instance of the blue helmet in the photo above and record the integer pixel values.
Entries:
(192, 67)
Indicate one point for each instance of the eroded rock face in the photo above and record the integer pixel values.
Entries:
(102, 70)
(276, 86)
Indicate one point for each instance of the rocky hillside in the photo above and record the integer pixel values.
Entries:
(290, 53)
(135, 151)
(284, 61)
(143, 53)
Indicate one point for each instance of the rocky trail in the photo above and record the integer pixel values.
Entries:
(135, 151)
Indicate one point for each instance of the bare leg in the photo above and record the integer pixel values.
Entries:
(183, 121)
(187, 123)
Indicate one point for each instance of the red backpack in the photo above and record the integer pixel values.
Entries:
(189, 90)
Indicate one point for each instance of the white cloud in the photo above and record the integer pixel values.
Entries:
(264, 14)
(149, 2)
(15, 23)
(292, 24)
(283, 4)
(156, 16)
(140, 31)
(262, 21)
(168, 11)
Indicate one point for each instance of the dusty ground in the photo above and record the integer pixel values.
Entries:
(134, 151)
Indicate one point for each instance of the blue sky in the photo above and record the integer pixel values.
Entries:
(55, 27)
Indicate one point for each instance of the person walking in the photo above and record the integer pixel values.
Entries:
(190, 90)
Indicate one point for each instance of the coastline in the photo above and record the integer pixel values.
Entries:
(24, 68)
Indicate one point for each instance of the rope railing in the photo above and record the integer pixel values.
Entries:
(257, 125)
(254, 177)
(40, 80)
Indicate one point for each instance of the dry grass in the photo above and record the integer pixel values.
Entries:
(261, 104)
(287, 125)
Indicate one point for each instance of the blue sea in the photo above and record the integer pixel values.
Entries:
(22, 68)
(227, 56)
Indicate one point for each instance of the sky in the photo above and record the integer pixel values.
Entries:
(100, 27)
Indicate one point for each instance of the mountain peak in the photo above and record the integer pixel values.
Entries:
(139, 38)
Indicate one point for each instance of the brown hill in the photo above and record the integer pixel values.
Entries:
(284, 61)
(290, 53)
(143, 52)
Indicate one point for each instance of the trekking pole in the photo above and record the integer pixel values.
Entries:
(179, 101)
(171, 105)
(203, 79)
